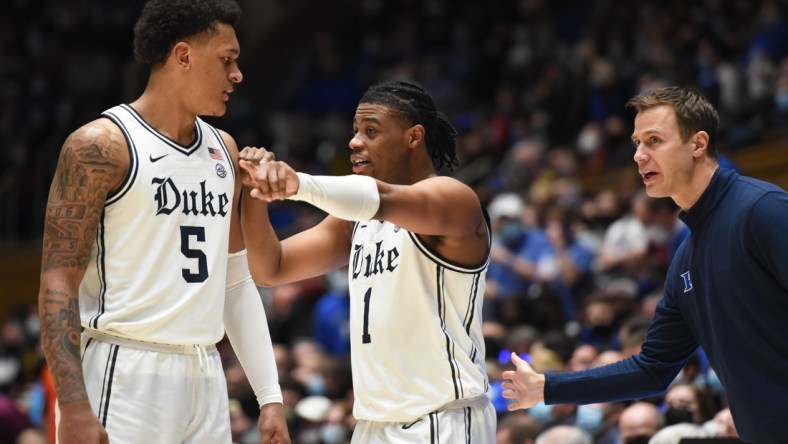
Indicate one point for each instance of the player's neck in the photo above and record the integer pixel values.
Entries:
(163, 109)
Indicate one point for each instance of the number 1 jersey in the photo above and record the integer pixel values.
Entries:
(415, 325)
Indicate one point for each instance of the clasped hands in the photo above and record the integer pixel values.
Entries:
(267, 178)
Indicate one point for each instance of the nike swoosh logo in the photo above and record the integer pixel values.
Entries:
(156, 159)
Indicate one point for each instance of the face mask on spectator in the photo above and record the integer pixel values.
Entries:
(511, 232)
(674, 415)
(333, 433)
(590, 418)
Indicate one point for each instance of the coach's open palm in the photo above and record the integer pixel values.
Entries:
(524, 385)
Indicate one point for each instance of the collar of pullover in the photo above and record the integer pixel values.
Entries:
(721, 181)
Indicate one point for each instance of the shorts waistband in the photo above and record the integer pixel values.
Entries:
(184, 349)
(466, 402)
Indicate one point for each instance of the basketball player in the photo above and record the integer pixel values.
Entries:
(137, 285)
(417, 248)
(726, 289)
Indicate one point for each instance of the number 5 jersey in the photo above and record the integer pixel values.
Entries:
(157, 272)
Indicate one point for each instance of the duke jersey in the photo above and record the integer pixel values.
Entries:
(158, 266)
(415, 325)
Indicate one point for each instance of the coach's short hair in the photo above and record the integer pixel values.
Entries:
(693, 112)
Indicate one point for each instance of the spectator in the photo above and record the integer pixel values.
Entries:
(674, 434)
(639, 422)
(331, 314)
(564, 434)
(722, 426)
(687, 402)
(517, 429)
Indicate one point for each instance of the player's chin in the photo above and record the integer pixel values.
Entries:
(217, 110)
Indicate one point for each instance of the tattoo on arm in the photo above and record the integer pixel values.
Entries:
(89, 167)
(60, 339)
(91, 164)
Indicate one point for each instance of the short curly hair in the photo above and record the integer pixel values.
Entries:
(163, 23)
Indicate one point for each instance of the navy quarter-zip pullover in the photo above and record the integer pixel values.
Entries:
(726, 291)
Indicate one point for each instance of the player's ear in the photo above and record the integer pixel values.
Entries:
(415, 135)
(181, 53)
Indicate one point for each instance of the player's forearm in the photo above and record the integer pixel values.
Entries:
(60, 341)
(262, 244)
(246, 325)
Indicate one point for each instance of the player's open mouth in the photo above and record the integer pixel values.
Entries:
(359, 165)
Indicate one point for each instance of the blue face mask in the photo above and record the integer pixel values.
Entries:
(333, 433)
(590, 418)
(511, 232)
(541, 413)
(315, 385)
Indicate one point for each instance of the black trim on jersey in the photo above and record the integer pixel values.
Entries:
(100, 271)
(455, 368)
(468, 424)
(411, 424)
(433, 255)
(434, 428)
(87, 344)
(104, 400)
(187, 150)
(471, 304)
(472, 311)
(451, 265)
(134, 162)
(223, 145)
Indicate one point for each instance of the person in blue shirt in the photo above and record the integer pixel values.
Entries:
(726, 290)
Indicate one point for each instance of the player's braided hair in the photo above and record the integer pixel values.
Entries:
(409, 101)
(163, 23)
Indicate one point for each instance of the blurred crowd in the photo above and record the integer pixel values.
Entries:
(536, 90)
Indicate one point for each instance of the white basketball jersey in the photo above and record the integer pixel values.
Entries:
(157, 272)
(415, 325)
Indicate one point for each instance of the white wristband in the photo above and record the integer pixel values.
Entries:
(346, 197)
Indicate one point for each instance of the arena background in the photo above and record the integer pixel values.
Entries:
(506, 72)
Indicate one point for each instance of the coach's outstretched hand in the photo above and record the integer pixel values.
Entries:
(524, 385)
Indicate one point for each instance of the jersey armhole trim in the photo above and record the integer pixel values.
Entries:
(131, 174)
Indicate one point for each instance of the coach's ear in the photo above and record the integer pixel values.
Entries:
(700, 143)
